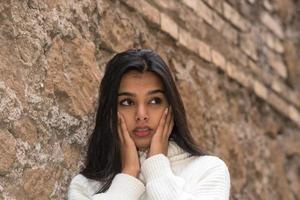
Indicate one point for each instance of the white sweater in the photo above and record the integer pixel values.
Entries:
(178, 176)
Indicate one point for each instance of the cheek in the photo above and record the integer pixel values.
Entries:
(129, 118)
(156, 116)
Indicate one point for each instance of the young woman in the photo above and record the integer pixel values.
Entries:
(141, 147)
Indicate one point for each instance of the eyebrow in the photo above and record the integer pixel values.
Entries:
(148, 93)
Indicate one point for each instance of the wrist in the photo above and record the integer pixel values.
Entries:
(131, 172)
(158, 150)
(156, 167)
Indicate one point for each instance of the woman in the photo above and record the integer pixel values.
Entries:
(141, 147)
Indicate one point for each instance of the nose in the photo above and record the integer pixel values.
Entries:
(141, 114)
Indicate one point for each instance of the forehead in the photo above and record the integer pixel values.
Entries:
(139, 81)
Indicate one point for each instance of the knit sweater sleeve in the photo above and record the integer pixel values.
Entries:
(206, 179)
(123, 187)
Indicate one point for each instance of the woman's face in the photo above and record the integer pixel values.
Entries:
(141, 101)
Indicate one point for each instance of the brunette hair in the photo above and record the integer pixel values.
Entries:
(103, 159)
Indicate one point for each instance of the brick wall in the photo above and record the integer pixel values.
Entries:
(266, 77)
(236, 64)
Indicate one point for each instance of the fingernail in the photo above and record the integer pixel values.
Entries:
(166, 111)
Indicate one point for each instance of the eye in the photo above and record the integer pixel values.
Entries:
(126, 102)
(155, 100)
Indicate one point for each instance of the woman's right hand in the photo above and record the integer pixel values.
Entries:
(129, 154)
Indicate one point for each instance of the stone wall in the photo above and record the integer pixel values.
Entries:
(236, 63)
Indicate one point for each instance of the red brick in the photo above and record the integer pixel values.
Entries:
(231, 70)
(278, 103)
(187, 40)
(287, 93)
(150, 12)
(260, 89)
(254, 67)
(218, 59)
(230, 33)
(272, 41)
(237, 74)
(200, 9)
(191, 3)
(183, 72)
(278, 46)
(248, 45)
(278, 65)
(172, 5)
(283, 107)
(294, 97)
(272, 24)
(268, 5)
(169, 25)
(234, 17)
(268, 39)
(258, 71)
(277, 86)
(216, 5)
(294, 114)
(218, 23)
(204, 51)
(241, 56)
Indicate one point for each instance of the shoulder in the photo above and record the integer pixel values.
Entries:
(209, 172)
(210, 161)
(208, 165)
(208, 176)
(83, 186)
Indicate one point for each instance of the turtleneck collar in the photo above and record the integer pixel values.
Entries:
(175, 153)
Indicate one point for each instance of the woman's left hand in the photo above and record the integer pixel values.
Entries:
(160, 139)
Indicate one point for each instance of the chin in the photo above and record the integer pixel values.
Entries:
(142, 145)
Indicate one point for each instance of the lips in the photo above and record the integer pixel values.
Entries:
(142, 131)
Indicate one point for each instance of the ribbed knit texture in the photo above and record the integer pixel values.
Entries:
(133, 188)
(177, 176)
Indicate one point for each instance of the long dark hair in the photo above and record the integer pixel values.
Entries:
(103, 156)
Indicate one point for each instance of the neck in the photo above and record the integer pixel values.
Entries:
(143, 149)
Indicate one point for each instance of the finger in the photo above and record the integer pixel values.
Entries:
(162, 122)
(168, 121)
(124, 128)
(171, 123)
(170, 128)
(119, 129)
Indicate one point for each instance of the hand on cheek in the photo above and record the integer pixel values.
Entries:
(129, 155)
(160, 140)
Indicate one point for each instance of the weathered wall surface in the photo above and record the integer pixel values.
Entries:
(237, 64)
